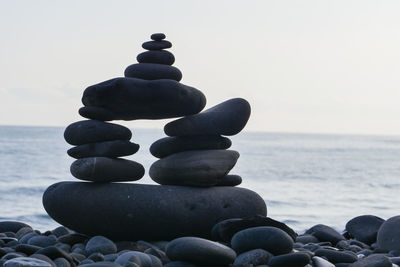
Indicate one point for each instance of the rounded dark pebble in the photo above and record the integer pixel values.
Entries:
(42, 241)
(157, 45)
(27, 249)
(375, 260)
(61, 262)
(180, 264)
(152, 71)
(25, 238)
(12, 226)
(325, 233)
(253, 257)
(364, 228)
(111, 149)
(290, 260)
(43, 258)
(271, 239)
(157, 36)
(72, 239)
(100, 244)
(335, 256)
(23, 231)
(305, 239)
(389, 234)
(96, 257)
(230, 180)
(157, 57)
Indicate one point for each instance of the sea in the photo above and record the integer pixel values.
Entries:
(305, 179)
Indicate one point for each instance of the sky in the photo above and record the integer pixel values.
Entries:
(305, 66)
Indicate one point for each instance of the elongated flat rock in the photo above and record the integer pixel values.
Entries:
(227, 118)
(194, 168)
(151, 71)
(171, 145)
(131, 99)
(147, 212)
(92, 131)
(156, 56)
(112, 149)
(102, 169)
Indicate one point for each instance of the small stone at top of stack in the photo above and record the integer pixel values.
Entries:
(195, 153)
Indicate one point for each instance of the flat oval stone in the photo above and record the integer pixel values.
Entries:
(111, 149)
(102, 169)
(335, 256)
(364, 228)
(151, 71)
(325, 233)
(271, 239)
(253, 257)
(157, 45)
(171, 145)
(290, 260)
(157, 36)
(193, 168)
(130, 99)
(100, 244)
(147, 212)
(389, 234)
(12, 226)
(230, 180)
(92, 131)
(321, 262)
(180, 264)
(227, 118)
(199, 250)
(157, 57)
(375, 260)
(26, 262)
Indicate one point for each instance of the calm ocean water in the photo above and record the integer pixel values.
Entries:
(305, 179)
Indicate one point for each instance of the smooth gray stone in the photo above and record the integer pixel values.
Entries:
(199, 250)
(147, 212)
(93, 131)
(226, 118)
(325, 233)
(61, 262)
(230, 180)
(193, 168)
(26, 262)
(271, 239)
(306, 238)
(335, 256)
(60, 231)
(153, 71)
(43, 258)
(253, 257)
(320, 262)
(43, 241)
(364, 228)
(298, 259)
(130, 99)
(100, 244)
(23, 231)
(12, 226)
(375, 260)
(140, 258)
(101, 264)
(171, 145)
(157, 36)
(111, 149)
(389, 234)
(102, 169)
(180, 264)
(156, 56)
(157, 45)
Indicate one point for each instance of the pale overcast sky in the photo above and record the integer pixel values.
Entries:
(304, 66)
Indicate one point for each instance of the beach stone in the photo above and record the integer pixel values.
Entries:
(12, 226)
(60, 231)
(26, 262)
(157, 57)
(253, 257)
(42, 241)
(389, 234)
(290, 260)
(180, 264)
(111, 149)
(153, 71)
(96, 257)
(101, 264)
(199, 250)
(92, 131)
(43, 258)
(364, 228)
(170, 145)
(335, 256)
(193, 168)
(320, 262)
(226, 118)
(376, 260)
(230, 180)
(305, 239)
(271, 239)
(23, 231)
(100, 244)
(73, 238)
(27, 249)
(53, 252)
(102, 169)
(147, 212)
(130, 99)
(226, 229)
(25, 238)
(157, 45)
(325, 233)
(61, 262)
(157, 36)
(135, 257)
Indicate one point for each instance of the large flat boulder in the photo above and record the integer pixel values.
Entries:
(131, 99)
(122, 211)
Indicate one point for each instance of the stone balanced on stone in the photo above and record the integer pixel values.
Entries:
(128, 211)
